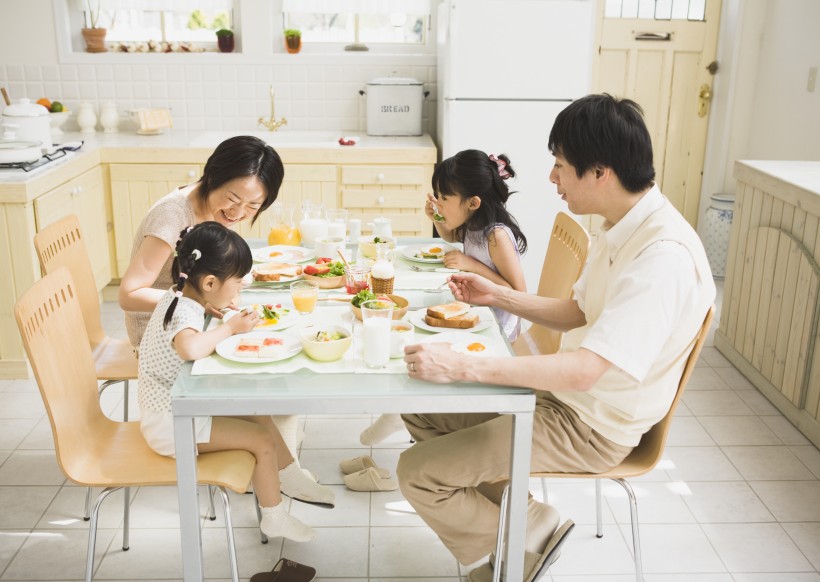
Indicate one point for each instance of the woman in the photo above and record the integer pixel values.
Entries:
(241, 179)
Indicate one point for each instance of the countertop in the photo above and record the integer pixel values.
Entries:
(804, 175)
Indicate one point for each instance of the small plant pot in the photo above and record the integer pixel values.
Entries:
(293, 44)
(95, 40)
(226, 43)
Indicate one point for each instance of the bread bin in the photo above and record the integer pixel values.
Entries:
(31, 120)
(394, 106)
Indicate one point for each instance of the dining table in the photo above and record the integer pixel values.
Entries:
(297, 385)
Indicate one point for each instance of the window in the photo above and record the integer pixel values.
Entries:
(360, 22)
(656, 9)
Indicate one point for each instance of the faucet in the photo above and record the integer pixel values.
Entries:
(272, 124)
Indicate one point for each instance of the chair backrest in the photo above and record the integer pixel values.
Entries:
(51, 325)
(649, 451)
(565, 259)
(61, 244)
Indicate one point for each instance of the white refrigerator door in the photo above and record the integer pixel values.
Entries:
(520, 130)
(515, 49)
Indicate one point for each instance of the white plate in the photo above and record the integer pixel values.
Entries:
(288, 254)
(226, 347)
(461, 340)
(409, 252)
(417, 319)
(284, 322)
(282, 282)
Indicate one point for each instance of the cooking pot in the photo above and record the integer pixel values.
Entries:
(14, 151)
(32, 121)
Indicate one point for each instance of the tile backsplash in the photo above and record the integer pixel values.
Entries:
(227, 97)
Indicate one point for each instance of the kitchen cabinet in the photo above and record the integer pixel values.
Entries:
(134, 189)
(770, 316)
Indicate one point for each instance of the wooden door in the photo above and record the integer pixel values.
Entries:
(662, 63)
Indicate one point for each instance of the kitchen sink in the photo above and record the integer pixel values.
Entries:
(274, 138)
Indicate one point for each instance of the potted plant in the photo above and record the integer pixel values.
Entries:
(94, 36)
(293, 40)
(225, 40)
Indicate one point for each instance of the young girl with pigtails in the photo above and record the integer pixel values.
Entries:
(210, 263)
(469, 205)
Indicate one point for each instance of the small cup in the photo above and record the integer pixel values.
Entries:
(304, 295)
(337, 222)
(327, 246)
(377, 317)
(357, 278)
(401, 334)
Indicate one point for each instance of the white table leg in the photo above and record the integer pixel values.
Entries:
(517, 511)
(190, 533)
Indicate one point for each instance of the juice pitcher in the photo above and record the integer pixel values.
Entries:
(283, 229)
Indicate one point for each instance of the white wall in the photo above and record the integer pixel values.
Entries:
(762, 108)
(204, 91)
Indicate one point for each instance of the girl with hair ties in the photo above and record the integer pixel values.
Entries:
(210, 264)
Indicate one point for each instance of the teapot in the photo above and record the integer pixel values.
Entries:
(381, 227)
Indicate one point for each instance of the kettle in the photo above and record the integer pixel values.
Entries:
(381, 227)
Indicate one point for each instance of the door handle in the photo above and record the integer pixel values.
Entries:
(704, 97)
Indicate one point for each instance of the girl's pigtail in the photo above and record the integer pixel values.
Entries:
(184, 265)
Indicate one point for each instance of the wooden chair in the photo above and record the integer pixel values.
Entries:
(61, 244)
(93, 450)
(641, 460)
(566, 255)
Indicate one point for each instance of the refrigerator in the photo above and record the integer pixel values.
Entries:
(506, 68)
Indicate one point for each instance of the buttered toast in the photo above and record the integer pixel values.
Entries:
(453, 315)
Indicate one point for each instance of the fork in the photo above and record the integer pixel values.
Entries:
(420, 270)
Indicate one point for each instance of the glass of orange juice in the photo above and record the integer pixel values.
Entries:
(283, 229)
(304, 295)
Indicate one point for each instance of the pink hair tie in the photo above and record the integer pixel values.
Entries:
(183, 275)
(178, 293)
(502, 167)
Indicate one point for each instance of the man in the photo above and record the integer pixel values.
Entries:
(629, 329)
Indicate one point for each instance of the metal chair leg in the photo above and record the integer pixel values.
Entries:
(636, 536)
(544, 491)
(92, 533)
(87, 512)
(259, 517)
(499, 540)
(226, 504)
(211, 510)
(598, 511)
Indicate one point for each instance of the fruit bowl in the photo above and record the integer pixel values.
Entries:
(399, 309)
(327, 282)
(325, 351)
(56, 120)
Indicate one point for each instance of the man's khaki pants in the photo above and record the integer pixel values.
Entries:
(454, 475)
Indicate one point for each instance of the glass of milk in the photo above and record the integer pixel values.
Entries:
(377, 317)
(313, 224)
(337, 222)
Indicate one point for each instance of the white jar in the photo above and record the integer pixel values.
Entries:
(718, 219)
(109, 117)
(86, 118)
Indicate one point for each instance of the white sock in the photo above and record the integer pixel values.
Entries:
(542, 521)
(278, 523)
(288, 427)
(384, 426)
(294, 483)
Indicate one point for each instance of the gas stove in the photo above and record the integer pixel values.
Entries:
(60, 151)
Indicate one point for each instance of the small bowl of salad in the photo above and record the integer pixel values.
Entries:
(325, 272)
(325, 343)
(400, 304)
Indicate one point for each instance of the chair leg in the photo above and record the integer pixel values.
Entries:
(226, 504)
(598, 511)
(499, 541)
(259, 517)
(636, 536)
(92, 532)
(211, 511)
(87, 512)
(544, 491)
(126, 519)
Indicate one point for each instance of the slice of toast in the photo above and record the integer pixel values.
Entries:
(466, 321)
(275, 271)
(448, 310)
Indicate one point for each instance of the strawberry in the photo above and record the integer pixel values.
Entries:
(323, 260)
(311, 270)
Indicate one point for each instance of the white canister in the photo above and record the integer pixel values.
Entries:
(109, 117)
(86, 118)
(30, 122)
(394, 106)
(718, 219)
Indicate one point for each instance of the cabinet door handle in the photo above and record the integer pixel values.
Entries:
(192, 173)
(73, 192)
(79, 189)
(380, 200)
(380, 177)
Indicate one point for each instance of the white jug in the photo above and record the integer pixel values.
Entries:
(381, 227)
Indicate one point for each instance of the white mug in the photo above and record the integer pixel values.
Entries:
(327, 246)
(401, 334)
(381, 227)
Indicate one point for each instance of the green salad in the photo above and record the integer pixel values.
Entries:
(362, 296)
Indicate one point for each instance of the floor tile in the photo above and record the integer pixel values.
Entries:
(758, 403)
(715, 403)
(10, 542)
(767, 463)
(675, 548)
(336, 552)
(334, 433)
(68, 505)
(706, 379)
(56, 555)
(575, 499)
(40, 437)
(810, 457)
(756, 547)
(31, 468)
(657, 503)
(612, 555)
(713, 358)
(785, 430)
(779, 577)
(14, 430)
(734, 378)
(391, 509)
(797, 501)
(725, 502)
(807, 538)
(153, 553)
(19, 405)
(739, 430)
(325, 462)
(699, 464)
(688, 432)
(389, 557)
(24, 505)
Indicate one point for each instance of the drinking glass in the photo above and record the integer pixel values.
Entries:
(377, 317)
(337, 222)
(304, 295)
(357, 278)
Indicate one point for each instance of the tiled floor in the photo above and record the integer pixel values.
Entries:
(736, 498)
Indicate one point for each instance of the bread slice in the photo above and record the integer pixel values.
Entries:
(466, 321)
(248, 348)
(448, 310)
(275, 271)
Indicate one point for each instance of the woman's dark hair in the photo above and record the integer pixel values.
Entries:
(473, 173)
(207, 249)
(240, 157)
(602, 130)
